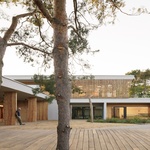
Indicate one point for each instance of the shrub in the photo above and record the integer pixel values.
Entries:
(135, 120)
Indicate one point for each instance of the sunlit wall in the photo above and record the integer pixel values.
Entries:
(102, 88)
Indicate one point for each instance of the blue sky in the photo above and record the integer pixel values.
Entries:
(124, 46)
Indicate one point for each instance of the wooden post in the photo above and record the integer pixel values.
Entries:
(42, 110)
(10, 106)
(45, 110)
(32, 109)
(149, 110)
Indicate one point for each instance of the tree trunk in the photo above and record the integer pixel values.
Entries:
(63, 89)
(3, 45)
(91, 109)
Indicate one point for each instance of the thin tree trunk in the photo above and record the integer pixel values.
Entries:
(3, 45)
(91, 110)
(6, 37)
(63, 89)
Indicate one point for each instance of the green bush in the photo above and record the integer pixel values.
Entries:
(135, 120)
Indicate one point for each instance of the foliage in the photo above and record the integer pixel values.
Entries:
(81, 22)
(141, 84)
(33, 37)
(46, 84)
(135, 120)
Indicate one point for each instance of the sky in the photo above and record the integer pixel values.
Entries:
(124, 46)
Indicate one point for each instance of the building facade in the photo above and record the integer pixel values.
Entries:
(109, 95)
(14, 94)
(98, 89)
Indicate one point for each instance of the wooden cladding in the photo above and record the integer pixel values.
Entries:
(102, 88)
(42, 113)
(32, 109)
(10, 106)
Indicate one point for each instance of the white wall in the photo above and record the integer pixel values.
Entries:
(53, 111)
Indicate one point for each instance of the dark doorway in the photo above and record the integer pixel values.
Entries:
(119, 112)
(84, 112)
(1, 112)
(80, 112)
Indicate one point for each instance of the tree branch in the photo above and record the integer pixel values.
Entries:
(31, 47)
(41, 7)
(113, 3)
(39, 27)
(14, 23)
(75, 13)
(76, 31)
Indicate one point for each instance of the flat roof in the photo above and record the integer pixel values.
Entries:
(23, 90)
(112, 100)
(102, 77)
(20, 77)
(109, 77)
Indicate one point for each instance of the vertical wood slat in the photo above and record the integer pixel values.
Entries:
(32, 109)
(38, 110)
(42, 111)
(45, 110)
(10, 106)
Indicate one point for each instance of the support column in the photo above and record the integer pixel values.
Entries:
(70, 111)
(91, 109)
(32, 109)
(42, 110)
(45, 110)
(125, 112)
(149, 110)
(105, 111)
(10, 107)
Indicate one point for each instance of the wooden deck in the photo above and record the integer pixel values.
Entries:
(135, 137)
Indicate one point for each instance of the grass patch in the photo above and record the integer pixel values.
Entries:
(135, 120)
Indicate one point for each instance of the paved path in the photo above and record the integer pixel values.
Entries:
(136, 137)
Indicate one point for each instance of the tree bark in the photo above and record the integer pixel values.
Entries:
(7, 36)
(63, 89)
(91, 109)
(3, 45)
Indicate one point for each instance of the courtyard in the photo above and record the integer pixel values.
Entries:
(84, 135)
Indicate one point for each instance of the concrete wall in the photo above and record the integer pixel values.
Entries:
(53, 111)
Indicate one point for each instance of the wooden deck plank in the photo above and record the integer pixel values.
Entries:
(36, 139)
(142, 143)
(96, 140)
(91, 140)
(128, 139)
(72, 134)
(122, 144)
(80, 139)
(103, 145)
(85, 140)
(112, 140)
(106, 139)
(75, 140)
(48, 141)
(52, 145)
